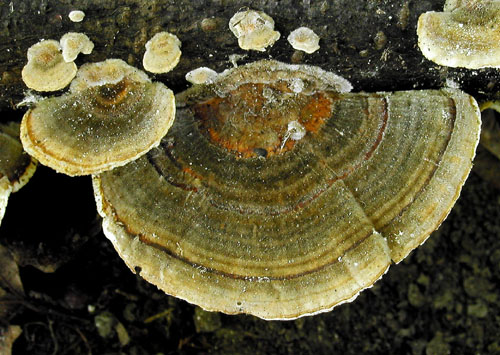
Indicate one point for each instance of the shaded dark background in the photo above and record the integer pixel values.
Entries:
(442, 299)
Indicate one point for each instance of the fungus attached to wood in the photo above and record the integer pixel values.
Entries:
(254, 30)
(202, 75)
(304, 39)
(112, 114)
(16, 167)
(162, 53)
(46, 69)
(282, 203)
(76, 15)
(466, 34)
(74, 43)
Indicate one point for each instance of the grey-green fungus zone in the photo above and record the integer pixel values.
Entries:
(278, 193)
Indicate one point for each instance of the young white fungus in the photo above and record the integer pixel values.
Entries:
(254, 30)
(162, 53)
(76, 15)
(202, 75)
(73, 43)
(304, 39)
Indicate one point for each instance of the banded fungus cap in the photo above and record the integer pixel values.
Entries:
(74, 43)
(466, 34)
(304, 39)
(162, 53)
(254, 30)
(46, 69)
(230, 214)
(112, 114)
(16, 167)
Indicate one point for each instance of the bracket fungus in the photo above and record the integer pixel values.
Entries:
(76, 15)
(46, 69)
(201, 75)
(162, 53)
(112, 114)
(226, 215)
(74, 43)
(466, 34)
(304, 39)
(16, 167)
(254, 30)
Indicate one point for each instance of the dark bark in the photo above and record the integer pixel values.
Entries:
(348, 31)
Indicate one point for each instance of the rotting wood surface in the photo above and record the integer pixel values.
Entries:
(352, 43)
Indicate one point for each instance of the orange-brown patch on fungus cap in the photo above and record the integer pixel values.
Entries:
(46, 69)
(254, 30)
(112, 114)
(16, 167)
(162, 53)
(306, 226)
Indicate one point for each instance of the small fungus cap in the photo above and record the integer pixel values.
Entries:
(304, 39)
(254, 30)
(281, 202)
(74, 43)
(46, 69)
(202, 75)
(76, 15)
(162, 53)
(16, 166)
(468, 35)
(112, 114)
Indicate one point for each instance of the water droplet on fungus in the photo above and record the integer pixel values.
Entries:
(46, 69)
(304, 39)
(254, 30)
(162, 53)
(228, 221)
(111, 115)
(73, 43)
(467, 35)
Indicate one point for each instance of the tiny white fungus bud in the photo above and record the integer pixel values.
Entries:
(76, 15)
(304, 39)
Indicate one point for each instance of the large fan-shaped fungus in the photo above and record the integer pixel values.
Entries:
(237, 212)
(113, 114)
(16, 167)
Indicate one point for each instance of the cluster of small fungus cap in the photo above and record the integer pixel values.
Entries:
(466, 34)
(275, 191)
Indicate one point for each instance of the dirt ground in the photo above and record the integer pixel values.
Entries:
(442, 299)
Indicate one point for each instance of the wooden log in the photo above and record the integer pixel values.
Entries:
(371, 43)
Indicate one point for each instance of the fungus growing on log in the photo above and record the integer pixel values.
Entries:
(46, 69)
(76, 15)
(16, 167)
(254, 30)
(112, 114)
(230, 215)
(304, 39)
(162, 53)
(466, 34)
(202, 75)
(74, 43)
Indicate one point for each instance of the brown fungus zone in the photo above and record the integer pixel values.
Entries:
(16, 166)
(113, 114)
(208, 218)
